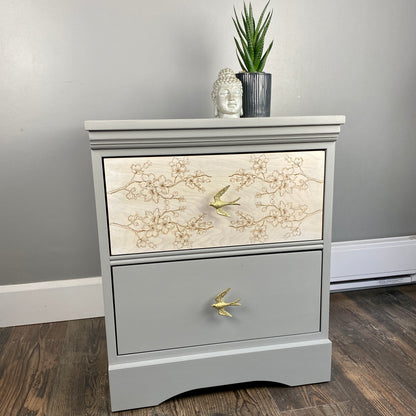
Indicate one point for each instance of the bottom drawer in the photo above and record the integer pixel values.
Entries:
(168, 304)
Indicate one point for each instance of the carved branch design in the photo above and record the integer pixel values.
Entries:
(154, 223)
(149, 187)
(285, 215)
(161, 209)
(277, 182)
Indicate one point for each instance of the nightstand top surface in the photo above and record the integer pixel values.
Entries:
(212, 123)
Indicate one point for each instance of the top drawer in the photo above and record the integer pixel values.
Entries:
(163, 203)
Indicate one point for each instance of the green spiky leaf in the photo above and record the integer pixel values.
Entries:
(260, 40)
(263, 60)
(260, 21)
(238, 27)
(241, 64)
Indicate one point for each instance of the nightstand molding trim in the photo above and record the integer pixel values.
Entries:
(124, 134)
(284, 363)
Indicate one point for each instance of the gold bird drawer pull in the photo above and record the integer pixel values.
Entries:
(219, 204)
(220, 304)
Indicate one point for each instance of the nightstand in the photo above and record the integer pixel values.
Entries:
(215, 242)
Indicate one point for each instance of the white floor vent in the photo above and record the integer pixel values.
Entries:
(373, 263)
(372, 283)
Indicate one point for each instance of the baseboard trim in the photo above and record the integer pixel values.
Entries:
(354, 265)
(59, 300)
(373, 263)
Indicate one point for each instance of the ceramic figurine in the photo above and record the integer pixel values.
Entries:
(227, 95)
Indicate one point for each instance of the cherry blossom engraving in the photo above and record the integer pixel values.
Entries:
(157, 203)
(278, 182)
(275, 212)
(150, 227)
(286, 215)
(148, 187)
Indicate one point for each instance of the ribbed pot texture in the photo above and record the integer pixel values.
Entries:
(257, 88)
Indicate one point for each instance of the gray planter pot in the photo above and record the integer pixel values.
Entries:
(257, 91)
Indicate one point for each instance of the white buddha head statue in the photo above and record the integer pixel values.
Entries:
(227, 93)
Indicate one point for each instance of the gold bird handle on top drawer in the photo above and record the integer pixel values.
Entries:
(219, 204)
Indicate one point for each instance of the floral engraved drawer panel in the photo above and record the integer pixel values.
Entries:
(163, 203)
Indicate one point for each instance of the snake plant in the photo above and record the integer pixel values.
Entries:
(252, 34)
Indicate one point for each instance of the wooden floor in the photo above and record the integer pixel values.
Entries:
(59, 369)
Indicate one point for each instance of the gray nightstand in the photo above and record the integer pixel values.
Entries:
(168, 256)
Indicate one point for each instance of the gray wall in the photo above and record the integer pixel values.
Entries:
(63, 62)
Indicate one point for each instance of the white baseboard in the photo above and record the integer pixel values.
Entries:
(59, 300)
(354, 265)
(373, 263)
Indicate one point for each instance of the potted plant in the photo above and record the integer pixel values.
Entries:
(256, 83)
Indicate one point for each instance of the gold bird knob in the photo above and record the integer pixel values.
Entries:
(220, 304)
(218, 204)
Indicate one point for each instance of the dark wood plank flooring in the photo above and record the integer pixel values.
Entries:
(60, 369)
